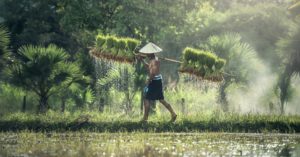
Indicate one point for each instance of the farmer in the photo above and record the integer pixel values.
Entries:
(153, 89)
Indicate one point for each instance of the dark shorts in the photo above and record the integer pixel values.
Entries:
(155, 90)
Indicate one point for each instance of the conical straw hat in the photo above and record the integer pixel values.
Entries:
(150, 48)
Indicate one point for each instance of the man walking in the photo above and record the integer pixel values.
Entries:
(154, 90)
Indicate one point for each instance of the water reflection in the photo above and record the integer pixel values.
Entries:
(148, 144)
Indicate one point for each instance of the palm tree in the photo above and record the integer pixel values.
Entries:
(240, 59)
(44, 70)
(4, 51)
(291, 49)
(122, 78)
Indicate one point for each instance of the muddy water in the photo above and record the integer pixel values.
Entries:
(81, 144)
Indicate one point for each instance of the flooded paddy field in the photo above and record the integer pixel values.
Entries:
(88, 144)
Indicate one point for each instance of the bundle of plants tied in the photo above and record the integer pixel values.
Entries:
(115, 48)
(202, 64)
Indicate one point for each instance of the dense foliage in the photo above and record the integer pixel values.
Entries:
(4, 51)
(44, 71)
(258, 40)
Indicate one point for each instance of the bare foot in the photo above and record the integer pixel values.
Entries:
(173, 118)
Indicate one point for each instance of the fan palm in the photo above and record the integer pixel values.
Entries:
(240, 59)
(290, 49)
(121, 77)
(45, 71)
(4, 51)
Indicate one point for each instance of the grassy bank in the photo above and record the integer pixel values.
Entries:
(202, 122)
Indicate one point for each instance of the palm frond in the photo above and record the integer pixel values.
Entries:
(112, 75)
(240, 56)
(289, 49)
(4, 50)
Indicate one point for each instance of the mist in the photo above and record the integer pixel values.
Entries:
(258, 96)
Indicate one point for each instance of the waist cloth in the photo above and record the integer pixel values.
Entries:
(154, 90)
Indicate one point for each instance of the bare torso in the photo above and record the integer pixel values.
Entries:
(154, 66)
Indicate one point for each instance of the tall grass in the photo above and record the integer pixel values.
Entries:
(216, 121)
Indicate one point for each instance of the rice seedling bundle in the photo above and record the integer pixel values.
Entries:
(202, 64)
(115, 48)
(199, 63)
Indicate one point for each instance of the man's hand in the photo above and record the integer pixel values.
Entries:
(139, 57)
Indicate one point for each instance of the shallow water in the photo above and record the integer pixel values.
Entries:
(87, 144)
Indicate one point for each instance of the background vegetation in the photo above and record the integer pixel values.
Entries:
(46, 66)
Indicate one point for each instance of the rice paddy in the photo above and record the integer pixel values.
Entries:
(86, 144)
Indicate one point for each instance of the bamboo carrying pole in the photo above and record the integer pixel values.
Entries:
(163, 58)
(176, 61)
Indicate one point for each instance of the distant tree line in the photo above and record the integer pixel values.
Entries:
(45, 44)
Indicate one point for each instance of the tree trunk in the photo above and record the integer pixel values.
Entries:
(282, 108)
(126, 90)
(43, 104)
(284, 84)
(142, 102)
(101, 105)
(63, 105)
(24, 104)
(223, 97)
(128, 103)
(183, 109)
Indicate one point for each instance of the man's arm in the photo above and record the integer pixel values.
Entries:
(144, 62)
(142, 59)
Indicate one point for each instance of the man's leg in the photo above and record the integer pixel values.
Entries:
(170, 109)
(146, 109)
